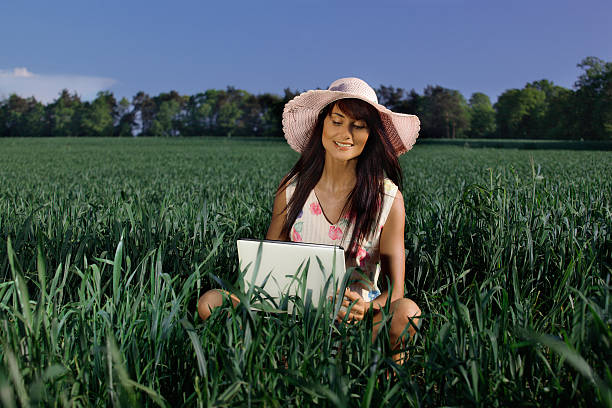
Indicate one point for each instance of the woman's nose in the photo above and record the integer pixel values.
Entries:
(348, 133)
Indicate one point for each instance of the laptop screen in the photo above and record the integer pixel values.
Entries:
(278, 268)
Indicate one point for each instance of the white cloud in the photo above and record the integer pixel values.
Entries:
(22, 72)
(46, 88)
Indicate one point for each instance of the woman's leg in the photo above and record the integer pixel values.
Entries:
(213, 299)
(405, 313)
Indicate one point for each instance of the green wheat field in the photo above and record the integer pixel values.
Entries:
(106, 245)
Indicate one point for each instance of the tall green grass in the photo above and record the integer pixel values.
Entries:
(105, 246)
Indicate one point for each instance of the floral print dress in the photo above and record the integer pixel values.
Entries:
(312, 226)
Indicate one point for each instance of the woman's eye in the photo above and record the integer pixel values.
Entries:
(360, 127)
(336, 123)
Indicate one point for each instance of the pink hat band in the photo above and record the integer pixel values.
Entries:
(300, 114)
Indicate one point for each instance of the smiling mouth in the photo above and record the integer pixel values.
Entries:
(343, 144)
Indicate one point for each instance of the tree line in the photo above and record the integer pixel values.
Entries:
(540, 110)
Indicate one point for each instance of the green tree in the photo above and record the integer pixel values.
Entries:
(11, 115)
(63, 115)
(197, 115)
(224, 113)
(482, 116)
(390, 97)
(249, 121)
(209, 111)
(271, 108)
(520, 113)
(22, 117)
(125, 121)
(98, 117)
(170, 106)
(165, 122)
(144, 112)
(593, 99)
(443, 112)
(559, 118)
(412, 103)
(231, 116)
(399, 100)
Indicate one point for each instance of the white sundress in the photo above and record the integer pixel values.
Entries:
(312, 226)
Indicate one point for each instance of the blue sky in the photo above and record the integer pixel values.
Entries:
(266, 46)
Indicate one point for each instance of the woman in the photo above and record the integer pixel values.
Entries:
(344, 190)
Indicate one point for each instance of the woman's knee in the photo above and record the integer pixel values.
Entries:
(208, 302)
(406, 313)
(211, 300)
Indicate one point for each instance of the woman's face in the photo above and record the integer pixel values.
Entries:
(344, 137)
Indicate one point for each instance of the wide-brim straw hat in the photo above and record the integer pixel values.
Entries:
(300, 114)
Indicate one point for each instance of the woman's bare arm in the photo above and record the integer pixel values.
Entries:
(279, 213)
(392, 253)
(392, 262)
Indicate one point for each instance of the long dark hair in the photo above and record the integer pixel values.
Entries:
(377, 160)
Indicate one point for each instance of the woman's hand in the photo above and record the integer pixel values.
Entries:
(358, 309)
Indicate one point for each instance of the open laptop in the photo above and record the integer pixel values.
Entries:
(279, 271)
